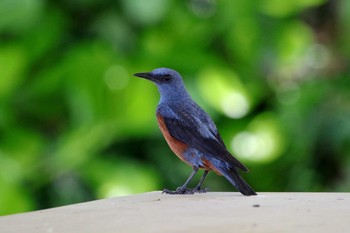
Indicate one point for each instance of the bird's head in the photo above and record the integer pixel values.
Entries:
(168, 81)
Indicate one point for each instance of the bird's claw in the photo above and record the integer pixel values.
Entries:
(182, 190)
(201, 190)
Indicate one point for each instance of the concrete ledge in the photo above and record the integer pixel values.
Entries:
(201, 213)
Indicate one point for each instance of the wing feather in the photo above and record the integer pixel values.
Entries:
(206, 139)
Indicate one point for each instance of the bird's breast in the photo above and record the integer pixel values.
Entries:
(177, 146)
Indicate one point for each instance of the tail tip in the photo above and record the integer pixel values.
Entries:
(250, 193)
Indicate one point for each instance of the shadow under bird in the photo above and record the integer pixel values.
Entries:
(191, 134)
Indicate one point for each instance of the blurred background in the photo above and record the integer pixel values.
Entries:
(75, 125)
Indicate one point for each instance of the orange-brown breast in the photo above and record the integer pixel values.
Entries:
(175, 145)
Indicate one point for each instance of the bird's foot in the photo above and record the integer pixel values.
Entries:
(179, 190)
(184, 190)
(198, 190)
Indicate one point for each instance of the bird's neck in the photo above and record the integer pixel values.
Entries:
(174, 97)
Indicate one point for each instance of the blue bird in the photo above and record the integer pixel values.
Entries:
(191, 134)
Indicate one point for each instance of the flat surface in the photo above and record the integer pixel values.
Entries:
(200, 213)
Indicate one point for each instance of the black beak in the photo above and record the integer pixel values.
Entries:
(145, 75)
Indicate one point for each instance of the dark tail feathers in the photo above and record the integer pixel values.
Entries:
(237, 181)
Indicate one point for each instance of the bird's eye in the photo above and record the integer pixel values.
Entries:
(167, 77)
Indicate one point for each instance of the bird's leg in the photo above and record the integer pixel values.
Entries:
(198, 187)
(183, 189)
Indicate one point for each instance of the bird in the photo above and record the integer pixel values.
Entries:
(192, 135)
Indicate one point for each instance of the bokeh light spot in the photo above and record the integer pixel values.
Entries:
(235, 105)
(318, 56)
(113, 190)
(262, 141)
(116, 77)
(146, 12)
(223, 90)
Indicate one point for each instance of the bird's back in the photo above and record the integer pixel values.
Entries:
(189, 123)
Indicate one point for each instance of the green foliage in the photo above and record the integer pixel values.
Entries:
(75, 125)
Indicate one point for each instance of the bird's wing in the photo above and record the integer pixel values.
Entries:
(196, 132)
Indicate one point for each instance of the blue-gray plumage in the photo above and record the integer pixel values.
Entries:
(191, 133)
